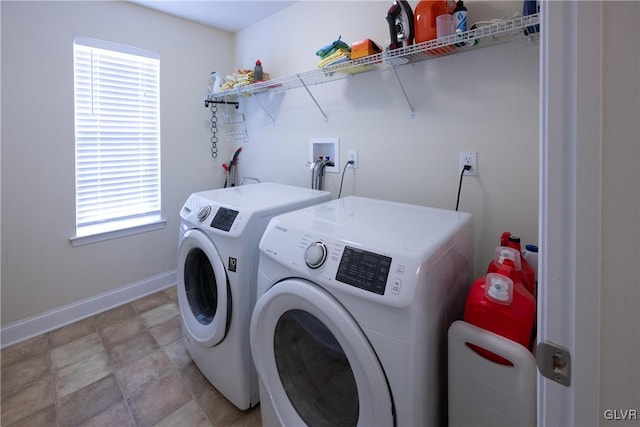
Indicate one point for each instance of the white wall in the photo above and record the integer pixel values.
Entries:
(620, 293)
(41, 271)
(484, 101)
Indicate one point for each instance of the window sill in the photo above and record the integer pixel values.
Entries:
(101, 233)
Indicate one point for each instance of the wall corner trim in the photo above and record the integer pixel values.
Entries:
(53, 319)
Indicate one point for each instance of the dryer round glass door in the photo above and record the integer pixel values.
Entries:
(202, 289)
(315, 363)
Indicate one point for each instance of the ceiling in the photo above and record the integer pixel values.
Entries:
(227, 15)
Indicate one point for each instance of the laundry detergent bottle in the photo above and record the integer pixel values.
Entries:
(503, 253)
(498, 303)
(425, 18)
(508, 239)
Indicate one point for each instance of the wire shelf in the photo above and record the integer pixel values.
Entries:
(491, 34)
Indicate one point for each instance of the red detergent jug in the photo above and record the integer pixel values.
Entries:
(508, 239)
(425, 18)
(504, 253)
(499, 303)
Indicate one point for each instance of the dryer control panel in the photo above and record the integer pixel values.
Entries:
(223, 219)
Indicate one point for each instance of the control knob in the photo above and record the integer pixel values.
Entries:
(315, 254)
(203, 213)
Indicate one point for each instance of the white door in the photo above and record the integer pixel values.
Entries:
(202, 289)
(315, 363)
(570, 123)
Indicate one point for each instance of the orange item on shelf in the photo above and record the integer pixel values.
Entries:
(425, 18)
(364, 48)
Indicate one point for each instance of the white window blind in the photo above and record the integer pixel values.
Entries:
(117, 132)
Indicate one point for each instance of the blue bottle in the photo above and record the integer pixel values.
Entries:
(528, 8)
(460, 17)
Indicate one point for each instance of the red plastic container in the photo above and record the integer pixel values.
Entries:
(425, 18)
(506, 253)
(508, 239)
(499, 303)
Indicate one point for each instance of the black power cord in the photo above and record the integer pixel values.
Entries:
(344, 169)
(465, 168)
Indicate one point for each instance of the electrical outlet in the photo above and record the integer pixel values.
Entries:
(353, 155)
(469, 158)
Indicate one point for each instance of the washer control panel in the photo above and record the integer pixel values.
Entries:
(363, 269)
(346, 266)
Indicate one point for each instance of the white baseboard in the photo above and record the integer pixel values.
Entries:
(56, 318)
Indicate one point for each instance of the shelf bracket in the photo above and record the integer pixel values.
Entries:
(265, 109)
(412, 112)
(213, 101)
(312, 97)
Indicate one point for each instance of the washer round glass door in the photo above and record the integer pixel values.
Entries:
(315, 362)
(202, 289)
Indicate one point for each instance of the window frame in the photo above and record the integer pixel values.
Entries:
(107, 228)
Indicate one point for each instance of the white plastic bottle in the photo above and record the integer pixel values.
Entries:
(217, 81)
(530, 253)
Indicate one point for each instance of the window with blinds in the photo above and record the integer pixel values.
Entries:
(117, 136)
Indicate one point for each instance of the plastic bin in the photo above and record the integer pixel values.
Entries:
(485, 393)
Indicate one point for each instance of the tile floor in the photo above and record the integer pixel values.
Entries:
(124, 367)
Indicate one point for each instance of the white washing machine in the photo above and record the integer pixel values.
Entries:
(355, 297)
(217, 269)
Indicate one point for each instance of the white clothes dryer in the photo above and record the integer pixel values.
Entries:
(355, 297)
(217, 271)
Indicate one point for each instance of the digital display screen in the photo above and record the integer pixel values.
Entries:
(224, 219)
(364, 270)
